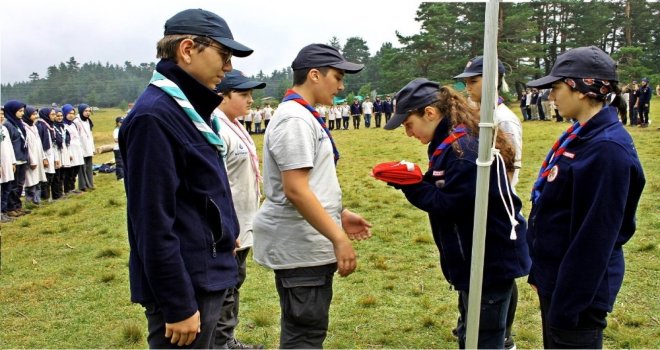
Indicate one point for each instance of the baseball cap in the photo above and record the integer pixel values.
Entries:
(205, 23)
(646, 80)
(475, 66)
(321, 55)
(236, 80)
(119, 119)
(418, 93)
(581, 62)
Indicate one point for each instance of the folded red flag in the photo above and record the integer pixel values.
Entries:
(399, 173)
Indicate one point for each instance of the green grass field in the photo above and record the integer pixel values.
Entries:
(64, 277)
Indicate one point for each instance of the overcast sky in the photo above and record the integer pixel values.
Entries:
(37, 34)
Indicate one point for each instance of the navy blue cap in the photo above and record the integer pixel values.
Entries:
(204, 23)
(236, 80)
(321, 55)
(418, 93)
(119, 119)
(475, 67)
(646, 80)
(581, 62)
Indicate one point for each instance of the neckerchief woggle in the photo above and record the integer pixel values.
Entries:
(458, 132)
(553, 157)
(293, 96)
(211, 135)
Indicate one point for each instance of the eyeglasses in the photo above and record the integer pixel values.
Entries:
(226, 54)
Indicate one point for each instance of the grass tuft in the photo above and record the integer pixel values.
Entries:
(114, 202)
(132, 333)
(103, 231)
(424, 239)
(262, 318)
(108, 277)
(646, 247)
(109, 253)
(368, 301)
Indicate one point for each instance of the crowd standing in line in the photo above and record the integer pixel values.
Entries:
(43, 150)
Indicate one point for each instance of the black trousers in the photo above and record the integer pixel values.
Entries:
(46, 187)
(305, 297)
(209, 305)
(119, 164)
(56, 186)
(15, 188)
(378, 116)
(224, 330)
(69, 178)
(587, 335)
(356, 121)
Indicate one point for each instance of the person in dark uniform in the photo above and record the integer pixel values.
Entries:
(443, 119)
(583, 202)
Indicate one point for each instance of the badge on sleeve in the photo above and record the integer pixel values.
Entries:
(553, 173)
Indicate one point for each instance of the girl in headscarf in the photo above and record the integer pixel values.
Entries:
(62, 141)
(37, 161)
(75, 150)
(14, 111)
(85, 125)
(47, 134)
(7, 166)
(583, 202)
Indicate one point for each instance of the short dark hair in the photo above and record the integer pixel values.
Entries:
(300, 76)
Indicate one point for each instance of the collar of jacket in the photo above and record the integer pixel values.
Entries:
(203, 99)
(441, 132)
(603, 119)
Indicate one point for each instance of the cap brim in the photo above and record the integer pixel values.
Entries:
(248, 85)
(237, 49)
(543, 83)
(466, 75)
(348, 67)
(395, 121)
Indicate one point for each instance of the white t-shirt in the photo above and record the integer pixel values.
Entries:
(509, 124)
(367, 107)
(283, 239)
(115, 135)
(242, 175)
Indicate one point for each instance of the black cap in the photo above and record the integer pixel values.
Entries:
(418, 93)
(119, 119)
(235, 80)
(321, 55)
(204, 23)
(581, 62)
(475, 67)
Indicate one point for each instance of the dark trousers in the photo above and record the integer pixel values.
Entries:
(16, 188)
(4, 194)
(643, 114)
(248, 126)
(511, 314)
(305, 296)
(209, 305)
(46, 186)
(331, 124)
(119, 164)
(633, 115)
(587, 335)
(387, 117)
(56, 186)
(356, 122)
(367, 120)
(86, 175)
(224, 330)
(69, 178)
(378, 116)
(523, 110)
(345, 122)
(493, 318)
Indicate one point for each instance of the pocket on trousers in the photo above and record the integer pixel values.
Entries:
(307, 298)
(575, 338)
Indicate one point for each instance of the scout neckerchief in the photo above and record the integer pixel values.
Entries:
(292, 95)
(553, 157)
(458, 132)
(240, 131)
(169, 87)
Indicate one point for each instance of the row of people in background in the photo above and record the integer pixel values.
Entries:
(43, 152)
(256, 117)
(638, 98)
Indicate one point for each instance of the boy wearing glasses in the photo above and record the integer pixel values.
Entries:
(182, 226)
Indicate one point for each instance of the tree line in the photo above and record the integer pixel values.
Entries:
(530, 37)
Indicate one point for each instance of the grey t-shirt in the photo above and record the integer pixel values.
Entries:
(283, 239)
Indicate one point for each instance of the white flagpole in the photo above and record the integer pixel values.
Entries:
(489, 96)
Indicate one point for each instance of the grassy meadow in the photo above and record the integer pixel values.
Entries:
(64, 276)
